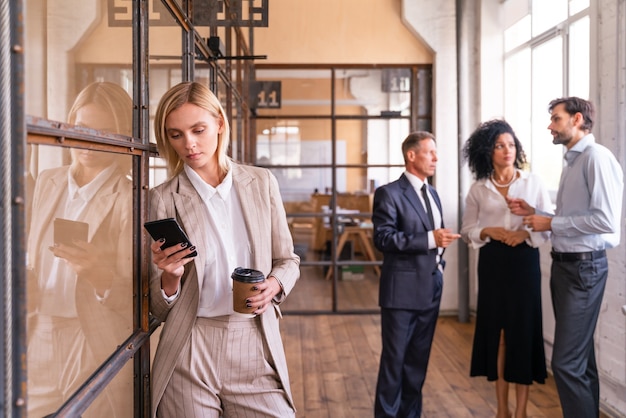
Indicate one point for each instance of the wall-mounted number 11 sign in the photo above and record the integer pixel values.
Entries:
(265, 94)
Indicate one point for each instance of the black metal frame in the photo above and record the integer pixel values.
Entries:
(421, 92)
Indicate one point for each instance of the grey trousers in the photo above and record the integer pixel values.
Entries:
(577, 289)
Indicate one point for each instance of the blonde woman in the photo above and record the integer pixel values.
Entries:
(212, 361)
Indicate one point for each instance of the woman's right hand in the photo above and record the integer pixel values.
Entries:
(172, 262)
(512, 238)
(515, 238)
(494, 232)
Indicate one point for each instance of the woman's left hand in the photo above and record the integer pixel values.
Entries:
(514, 238)
(268, 289)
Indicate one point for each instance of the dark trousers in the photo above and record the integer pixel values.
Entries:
(577, 288)
(407, 337)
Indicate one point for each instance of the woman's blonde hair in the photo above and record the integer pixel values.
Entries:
(114, 100)
(201, 96)
(110, 97)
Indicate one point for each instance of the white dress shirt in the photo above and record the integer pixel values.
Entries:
(57, 280)
(486, 207)
(228, 235)
(417, 183)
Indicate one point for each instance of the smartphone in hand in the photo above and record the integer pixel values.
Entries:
(66, 232)
(170, 230)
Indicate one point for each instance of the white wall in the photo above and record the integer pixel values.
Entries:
(608, 92)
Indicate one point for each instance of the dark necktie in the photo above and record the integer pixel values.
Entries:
(429, 209)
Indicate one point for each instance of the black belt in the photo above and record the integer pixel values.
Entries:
(589, 255)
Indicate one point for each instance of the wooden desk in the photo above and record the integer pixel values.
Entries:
(345, 201)
(362, 234)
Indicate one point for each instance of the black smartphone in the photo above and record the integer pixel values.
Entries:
(67, 231)
(170, 230)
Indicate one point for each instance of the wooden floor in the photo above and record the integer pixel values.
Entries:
(333, 359)
(333, 363)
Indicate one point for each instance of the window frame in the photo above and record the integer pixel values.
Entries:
(534, 115)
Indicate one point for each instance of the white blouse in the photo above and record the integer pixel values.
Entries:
(486, 207)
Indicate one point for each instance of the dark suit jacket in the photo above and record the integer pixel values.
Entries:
(409, 276)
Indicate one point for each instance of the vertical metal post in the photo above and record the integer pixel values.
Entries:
(189, 45)
(141, 179)
(333, 200)
(12, 227)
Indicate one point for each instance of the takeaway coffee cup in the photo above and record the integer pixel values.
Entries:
(244, 280)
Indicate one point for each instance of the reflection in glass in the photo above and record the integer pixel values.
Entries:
(80, 263)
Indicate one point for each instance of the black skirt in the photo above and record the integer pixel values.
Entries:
(509, 300)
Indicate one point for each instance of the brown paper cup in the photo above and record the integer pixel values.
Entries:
(244, 280)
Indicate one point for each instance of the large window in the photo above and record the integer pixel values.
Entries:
(546, 56)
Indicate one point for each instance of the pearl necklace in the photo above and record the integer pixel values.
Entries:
(504, 186)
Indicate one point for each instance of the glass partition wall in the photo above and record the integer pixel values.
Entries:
(333, 135)
(96, 71)
(83, 200)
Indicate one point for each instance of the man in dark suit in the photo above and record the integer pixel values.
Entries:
(408, 230)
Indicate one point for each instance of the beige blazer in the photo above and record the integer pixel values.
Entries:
(107, 322)
(272, 253)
